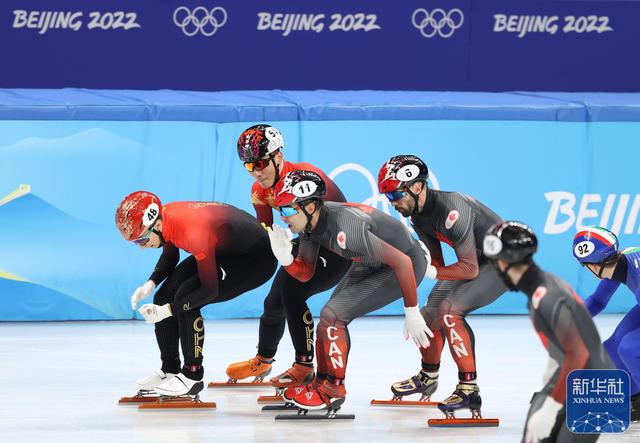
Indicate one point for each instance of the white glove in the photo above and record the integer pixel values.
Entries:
(280, 245)
(143, 291)
(155, 313)
(431, 271)
(541, 422)
(415, 327)
(551, 368)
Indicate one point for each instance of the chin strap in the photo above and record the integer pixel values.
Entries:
(307, 227)
(277, 177)
(415, 198)
(159, 234)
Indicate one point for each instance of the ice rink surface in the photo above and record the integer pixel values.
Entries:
(62, 380)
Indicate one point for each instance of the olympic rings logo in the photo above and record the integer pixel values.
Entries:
(437, 22)
(200, 20)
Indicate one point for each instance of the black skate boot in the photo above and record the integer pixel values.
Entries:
(421, 383)
(466, 396)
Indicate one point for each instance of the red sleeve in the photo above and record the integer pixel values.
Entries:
(434, 247)
(264, 214)
(303, 266)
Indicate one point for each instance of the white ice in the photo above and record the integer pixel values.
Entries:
(61, 382)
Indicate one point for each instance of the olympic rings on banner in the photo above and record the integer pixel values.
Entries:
(437, 22)
(200, 20)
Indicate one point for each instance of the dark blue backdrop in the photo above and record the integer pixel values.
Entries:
(359, 44)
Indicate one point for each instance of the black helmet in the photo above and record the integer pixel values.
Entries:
(258, 141)
(510, 241)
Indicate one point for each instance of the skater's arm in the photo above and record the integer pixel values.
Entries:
(576, 354)
(399, 262)
(433, 245)
(264, 214)
(303, 266)
(599, 300)
(166, 263)
(460, 235)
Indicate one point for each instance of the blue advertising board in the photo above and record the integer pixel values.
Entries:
(455, 45)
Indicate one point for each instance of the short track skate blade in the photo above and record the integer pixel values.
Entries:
(280, 407)
(270, 399)
(315, 417)
(137, 400)
(462, 422)
(239, 385)
(178, 404)
(397, 403)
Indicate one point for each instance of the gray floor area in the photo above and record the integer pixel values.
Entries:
(63, 379)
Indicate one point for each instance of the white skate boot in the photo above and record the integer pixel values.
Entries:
(180, 386)
(157, 378)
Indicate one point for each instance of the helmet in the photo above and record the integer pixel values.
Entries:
(299, 186)
(400, 171)
(136, 213)
(595, 245)
(259, 141)
(510, 241)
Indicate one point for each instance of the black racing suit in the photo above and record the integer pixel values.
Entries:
(388, 263)
(569, 335)
(468, 284)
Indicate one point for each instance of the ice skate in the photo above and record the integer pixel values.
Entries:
(326, 397)
(466, 396)
(418, 384)
(146, 386)
(285, 396)
(257, 367)
(179, 392)
(297, 375)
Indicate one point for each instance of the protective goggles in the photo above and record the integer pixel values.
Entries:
(257, 165)
(395, 195)
(287, 211)
(143, 239)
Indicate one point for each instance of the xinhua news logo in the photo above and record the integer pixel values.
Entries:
(598, 401)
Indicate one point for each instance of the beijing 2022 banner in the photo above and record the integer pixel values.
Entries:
(487, 45)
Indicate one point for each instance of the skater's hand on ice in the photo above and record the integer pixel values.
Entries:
(541, 422)
(280, 245)
(154, 313)
(142, 292)
(431, 272)
(415, 327)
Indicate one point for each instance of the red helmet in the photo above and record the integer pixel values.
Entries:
(136, 213)
(400, 171)
(258, 141)
(299, 186)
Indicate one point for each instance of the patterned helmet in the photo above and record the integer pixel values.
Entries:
(258, 141)
(299, 186)
(400, 171)
(137, 212)
(595, 245)
(510, 241)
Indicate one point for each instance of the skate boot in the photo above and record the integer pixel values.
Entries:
(289, 393)
(157, 378)
(418, 384)
(257, 367)
(635, 408)
(297, 375)
(466, 396)
(325, 396)
(180, 385)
